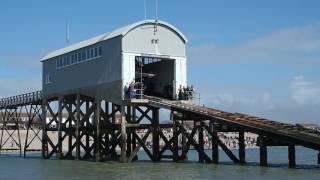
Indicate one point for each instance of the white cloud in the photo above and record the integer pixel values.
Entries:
(238, 99)
(299, 45)
(12, 87)
(305, 92)
(25, 61)
(263, 104)
(296, 100)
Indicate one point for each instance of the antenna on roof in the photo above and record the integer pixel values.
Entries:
(67, 33)
(156, 18)
(145, 9)
(156, 4)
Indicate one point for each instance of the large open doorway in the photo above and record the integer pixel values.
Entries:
(157, 76)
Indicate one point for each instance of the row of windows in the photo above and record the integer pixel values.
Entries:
(78, 57)
(147, 60)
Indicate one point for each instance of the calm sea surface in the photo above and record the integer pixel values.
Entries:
(12, 167)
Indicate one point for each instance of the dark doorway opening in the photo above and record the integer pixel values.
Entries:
(156, 75)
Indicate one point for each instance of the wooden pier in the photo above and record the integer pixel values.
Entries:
(98, 130)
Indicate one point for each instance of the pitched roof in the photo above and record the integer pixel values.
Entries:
(121, 31)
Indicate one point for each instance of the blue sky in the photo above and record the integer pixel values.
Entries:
(260, 57)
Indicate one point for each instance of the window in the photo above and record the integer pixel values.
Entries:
(88, 54)
(48, 79)
(91, 53)
(72, 59)
(64, 61)
(75, 57)
(154, 41)
(83, 55)
(100, 51)
(79, 57)
(68, 60)
(95, 52)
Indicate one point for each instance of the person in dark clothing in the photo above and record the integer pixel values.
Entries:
(131, 89)
(191, 92)
(180, 93)
(127, 91)
(185, 92)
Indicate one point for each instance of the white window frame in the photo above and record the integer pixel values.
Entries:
(89, 54)
(48, 79)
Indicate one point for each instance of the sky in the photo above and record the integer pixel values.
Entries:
(259, 57)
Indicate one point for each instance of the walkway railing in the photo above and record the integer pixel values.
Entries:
(22, 99)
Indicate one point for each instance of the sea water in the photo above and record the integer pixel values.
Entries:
(33, 168)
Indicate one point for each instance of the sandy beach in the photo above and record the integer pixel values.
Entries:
(229, 139)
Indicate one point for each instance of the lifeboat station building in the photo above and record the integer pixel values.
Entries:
(149, 51)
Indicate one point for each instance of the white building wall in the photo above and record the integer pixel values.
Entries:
(128, 68)
(180, 72)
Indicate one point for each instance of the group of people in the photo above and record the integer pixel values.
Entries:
(186, 93)
(132, 90)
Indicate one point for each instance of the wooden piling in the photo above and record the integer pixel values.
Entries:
(87, 133)
(200, 141)
(175, 139)
(59, 154)
(44, 147)
(134, 141)
(155, 135)
(70, 137)
(78, 139)
(263, 152)
(183, 143)
(98, 132)
(214, 144)
(292, 156)
(242, 148)
(123, 158)
(129, 134)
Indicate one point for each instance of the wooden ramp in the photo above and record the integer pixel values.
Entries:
(277, 133)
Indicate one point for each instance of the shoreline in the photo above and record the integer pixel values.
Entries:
(229, 139)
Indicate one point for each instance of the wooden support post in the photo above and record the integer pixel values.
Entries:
(155, 135)
(292, 156)
(175, 139)
(98, 133)
(29, 122)
(183, 138)
(18, 129)
(215, 144)
(70, 136)
(87, 124)
(134, 141)
(106, 106)
(113, 118)
(60, 101)
(123, 136)
(2, 128)
(78, 139)
(263, 151)
(200, 141)
(129, 134)
(44, 149)
(183, 144)
(242, 148)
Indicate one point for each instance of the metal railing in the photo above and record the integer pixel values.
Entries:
(196, 98)
(22, 99)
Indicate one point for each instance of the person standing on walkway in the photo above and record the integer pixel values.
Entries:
(131, 89)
